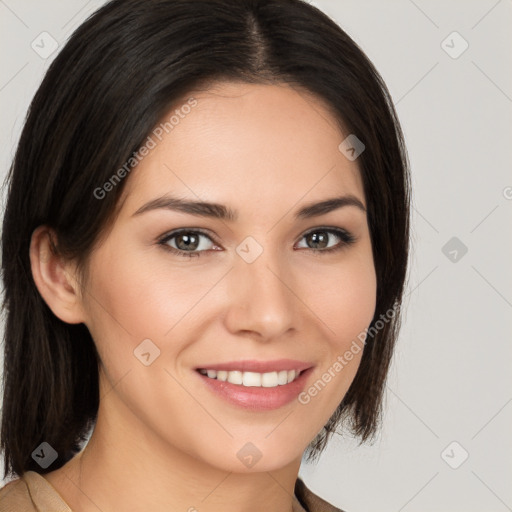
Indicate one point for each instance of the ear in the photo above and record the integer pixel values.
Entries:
(54, 277)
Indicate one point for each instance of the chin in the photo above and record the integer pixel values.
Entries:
(247, 456)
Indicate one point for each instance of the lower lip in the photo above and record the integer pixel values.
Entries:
(257, 398)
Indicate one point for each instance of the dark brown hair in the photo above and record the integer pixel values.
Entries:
(102, 95)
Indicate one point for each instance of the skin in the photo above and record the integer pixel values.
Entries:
(163, 440)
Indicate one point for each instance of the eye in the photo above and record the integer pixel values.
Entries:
(186, 243)
(319, 239)
(190, 243)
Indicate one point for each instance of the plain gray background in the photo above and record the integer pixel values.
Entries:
(449, 394)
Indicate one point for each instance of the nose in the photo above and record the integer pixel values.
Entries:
(262, 299)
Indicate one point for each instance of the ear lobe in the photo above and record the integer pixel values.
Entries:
(54, 277)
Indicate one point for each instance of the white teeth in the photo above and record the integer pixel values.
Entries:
(235, 377)
(282, 377)
(269, 380)
(253, 379)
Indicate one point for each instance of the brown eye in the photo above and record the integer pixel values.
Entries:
(320, 239)
(187, 242)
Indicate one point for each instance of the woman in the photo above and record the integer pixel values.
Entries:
(204, 251)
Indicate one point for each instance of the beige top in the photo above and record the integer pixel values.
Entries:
(33, 493)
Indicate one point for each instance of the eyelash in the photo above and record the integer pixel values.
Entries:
(346, 240)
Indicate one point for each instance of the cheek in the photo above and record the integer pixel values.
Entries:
(352, 305)
(344, 297)
(134, 298)
(123, 302)
(141, 296)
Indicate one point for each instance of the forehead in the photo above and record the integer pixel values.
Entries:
(238, 142)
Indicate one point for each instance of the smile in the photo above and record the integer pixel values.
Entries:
(253, 379)
(256, 385)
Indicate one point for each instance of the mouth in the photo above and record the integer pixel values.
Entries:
(256, 385)
(253, 379)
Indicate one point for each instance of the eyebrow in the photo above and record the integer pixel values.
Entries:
(220, 211)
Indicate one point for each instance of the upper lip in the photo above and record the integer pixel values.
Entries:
(258, 366)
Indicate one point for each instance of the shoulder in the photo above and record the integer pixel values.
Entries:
(31, 493)
(15, 497)
(310, 501)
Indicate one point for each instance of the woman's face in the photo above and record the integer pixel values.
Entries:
(258, 293)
